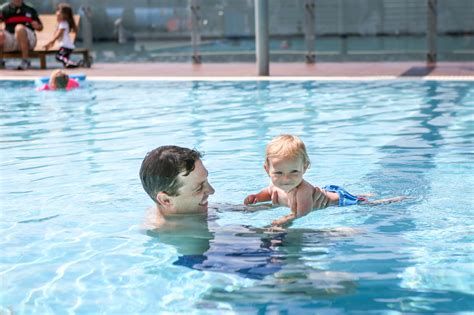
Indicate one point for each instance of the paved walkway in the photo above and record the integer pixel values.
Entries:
(450, 70)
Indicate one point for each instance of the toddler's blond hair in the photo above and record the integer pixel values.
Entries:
(287, 146)
(58, 79)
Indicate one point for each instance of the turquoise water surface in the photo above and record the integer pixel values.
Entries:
(72, 203)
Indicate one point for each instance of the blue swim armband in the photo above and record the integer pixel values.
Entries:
(345, 198)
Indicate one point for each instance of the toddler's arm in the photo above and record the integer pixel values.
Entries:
(302, 199)
(57, 35)
(264, 195)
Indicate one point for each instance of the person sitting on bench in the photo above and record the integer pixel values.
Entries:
(21, 22)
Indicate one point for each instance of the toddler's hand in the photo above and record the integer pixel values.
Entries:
(284, 220)
(250, 199)
(275, 229)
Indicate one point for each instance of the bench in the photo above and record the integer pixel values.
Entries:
(42, 38)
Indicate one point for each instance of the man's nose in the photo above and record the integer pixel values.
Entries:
(210, 189)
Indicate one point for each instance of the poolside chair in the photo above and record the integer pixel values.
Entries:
(49, 27)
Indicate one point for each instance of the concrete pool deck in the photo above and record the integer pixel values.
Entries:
(243, 71)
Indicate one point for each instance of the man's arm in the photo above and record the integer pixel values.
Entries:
(323, 199)
(385, 201)
(36, 23)
(1, 14)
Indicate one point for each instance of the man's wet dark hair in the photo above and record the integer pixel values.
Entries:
(161, 167)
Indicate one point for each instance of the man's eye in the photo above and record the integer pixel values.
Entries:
(200, 188)
(294, 171)
(277, 173)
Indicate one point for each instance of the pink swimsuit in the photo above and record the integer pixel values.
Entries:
(71, 84)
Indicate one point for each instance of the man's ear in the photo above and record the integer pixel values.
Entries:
(163, 198)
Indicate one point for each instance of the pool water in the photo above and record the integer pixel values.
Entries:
(73, 206)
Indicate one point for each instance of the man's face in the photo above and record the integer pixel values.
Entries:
(193, 194)
(286, 173)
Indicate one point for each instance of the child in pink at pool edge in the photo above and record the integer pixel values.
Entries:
(286, 161)
(59, 80)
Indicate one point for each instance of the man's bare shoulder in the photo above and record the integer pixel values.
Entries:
(152, 220)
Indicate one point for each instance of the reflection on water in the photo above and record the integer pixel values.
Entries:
(281, 261)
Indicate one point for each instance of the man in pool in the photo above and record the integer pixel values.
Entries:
(176, 180)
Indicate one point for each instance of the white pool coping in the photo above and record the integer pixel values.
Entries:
(256, 78)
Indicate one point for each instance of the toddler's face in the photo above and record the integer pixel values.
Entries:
(286, 173)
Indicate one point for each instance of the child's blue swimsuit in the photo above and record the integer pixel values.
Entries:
(345, 198)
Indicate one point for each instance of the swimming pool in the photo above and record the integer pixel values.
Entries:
(72, 203)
